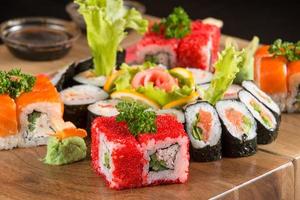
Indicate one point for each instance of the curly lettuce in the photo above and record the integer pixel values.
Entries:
(106, 21)
(227, 68)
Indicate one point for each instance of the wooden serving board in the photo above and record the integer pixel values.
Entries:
(270, 174)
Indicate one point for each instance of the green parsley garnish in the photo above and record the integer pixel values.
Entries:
(139, 118)
(15, 82)
(176, 25)
(289, 50)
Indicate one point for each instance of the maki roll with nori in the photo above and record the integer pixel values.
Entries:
(204, 129)
(262, 97)
(103, 108)
(267, 125)
(239, 137)
(76, 100)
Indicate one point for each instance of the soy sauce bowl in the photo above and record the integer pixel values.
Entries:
(39, 38)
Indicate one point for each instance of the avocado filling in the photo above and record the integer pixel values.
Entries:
(106, 160)
(164, 159)
(197, 132)
(265, 118)
(32, 118)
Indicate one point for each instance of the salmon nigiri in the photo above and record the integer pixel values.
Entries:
(8, 123)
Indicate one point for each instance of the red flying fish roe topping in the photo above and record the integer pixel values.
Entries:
(190, 51)
(213, 31)
(155, 39)
(167, 126)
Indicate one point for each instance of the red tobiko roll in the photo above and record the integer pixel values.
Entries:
(116, 154)
(195, 50)
(126, 161)
(213, 31)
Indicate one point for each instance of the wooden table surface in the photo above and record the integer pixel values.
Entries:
(270, 174)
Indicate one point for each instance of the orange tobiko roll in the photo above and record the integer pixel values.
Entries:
(293, 80)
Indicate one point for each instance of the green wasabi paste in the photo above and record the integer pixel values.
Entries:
(69, 150)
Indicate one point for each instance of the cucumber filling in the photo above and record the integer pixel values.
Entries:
(159, 58)
(197, 132)
(264, 117)
(106, 160)
(164, 159)
(39, 125)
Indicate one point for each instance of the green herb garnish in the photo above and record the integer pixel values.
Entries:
(139, 118)
(14, 82)
(289, 50)
(176, 25)
(157, 165)
(32, 118)
(106, 23)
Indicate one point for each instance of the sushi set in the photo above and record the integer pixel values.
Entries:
(151, 109)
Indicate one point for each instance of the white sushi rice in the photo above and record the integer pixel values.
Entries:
(105, 108)
(181, 162)
(40, 135)
(246, 98)
(216, 130)
(261, 96)
(106, 146)
(82, 95)
(164, 54)
(174, 112)
(222, 106)
(9, 142)
(201, 76)
(88, 77)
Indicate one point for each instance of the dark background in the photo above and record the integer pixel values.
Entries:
(267, 19)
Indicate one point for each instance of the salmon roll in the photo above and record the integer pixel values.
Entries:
(271, 76)
(9, 135)
(204, 129)
(239, 136)
(36, 110)
(293, 100)
(265, 99)
(267, 123)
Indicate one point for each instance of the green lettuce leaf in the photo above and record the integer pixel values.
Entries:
(247, 65)
(162, 97)
(226, 67)
(106, 21)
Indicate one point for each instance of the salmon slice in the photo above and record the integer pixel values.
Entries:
(8, 116)
(43, 91)
(272, 76)
(205, 123)
(260, 53)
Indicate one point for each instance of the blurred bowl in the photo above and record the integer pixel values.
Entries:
(72, 10)
(39, 38)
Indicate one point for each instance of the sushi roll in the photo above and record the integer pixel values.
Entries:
(239, 137)
(88, 77)
(267, 124)
(103, 108)
(76, 100)
(116, 154)
(293, 100)
(150, 159)
(195, 51)
(9, 134)
(36, 110)
(204, 129)
(178, 114)
(262, 97)
(157, 49)
(271, 75)
(166, 153)
(201, 76)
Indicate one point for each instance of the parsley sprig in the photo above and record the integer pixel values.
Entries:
(289, 50)
(176, 25)
(139, 118)
(14, 82)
